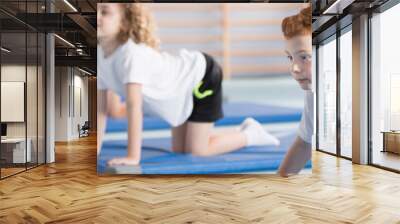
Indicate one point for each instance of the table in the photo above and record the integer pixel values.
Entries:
(13, 150)
(391, 141)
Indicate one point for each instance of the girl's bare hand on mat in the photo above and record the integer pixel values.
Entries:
(124, 161)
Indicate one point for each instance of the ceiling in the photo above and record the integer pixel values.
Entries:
(332, 15)
(74, 22)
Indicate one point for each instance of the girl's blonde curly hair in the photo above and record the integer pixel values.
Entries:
(138, 24)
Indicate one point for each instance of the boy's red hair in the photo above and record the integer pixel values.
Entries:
(299, 24)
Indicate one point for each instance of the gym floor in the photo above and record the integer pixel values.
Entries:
(69, 191)
(276, 91)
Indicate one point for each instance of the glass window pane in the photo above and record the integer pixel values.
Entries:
(31, 97)
(23, 85)
(346, 94)
(41, 98)
(13, 86)
(385, 89)
(327, 97)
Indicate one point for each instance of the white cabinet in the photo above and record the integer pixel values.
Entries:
(17, 146)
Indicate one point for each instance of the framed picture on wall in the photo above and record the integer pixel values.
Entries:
(12, 101)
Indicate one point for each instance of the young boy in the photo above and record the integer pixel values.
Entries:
(298, 37)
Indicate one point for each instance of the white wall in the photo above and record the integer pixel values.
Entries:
(68, 83)
(61, 103)
(80, 83)
(33, 126)
(16, 73)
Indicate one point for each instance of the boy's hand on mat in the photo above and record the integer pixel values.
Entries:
(282, 173)
(129, 161)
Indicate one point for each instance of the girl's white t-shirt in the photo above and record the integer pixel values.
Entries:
(167, 80)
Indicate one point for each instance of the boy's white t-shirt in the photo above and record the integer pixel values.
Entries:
(167, 80)
(306, 128)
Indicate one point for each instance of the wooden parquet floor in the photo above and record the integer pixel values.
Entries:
(69, 191)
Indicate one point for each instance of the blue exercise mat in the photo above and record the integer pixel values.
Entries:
(234, 113)
(157, 158)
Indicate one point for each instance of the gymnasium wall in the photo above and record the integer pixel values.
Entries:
(245, 39)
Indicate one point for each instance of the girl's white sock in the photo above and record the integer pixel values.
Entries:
(256, 135)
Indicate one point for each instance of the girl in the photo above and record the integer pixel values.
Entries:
(184, 90)
(297, 32)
